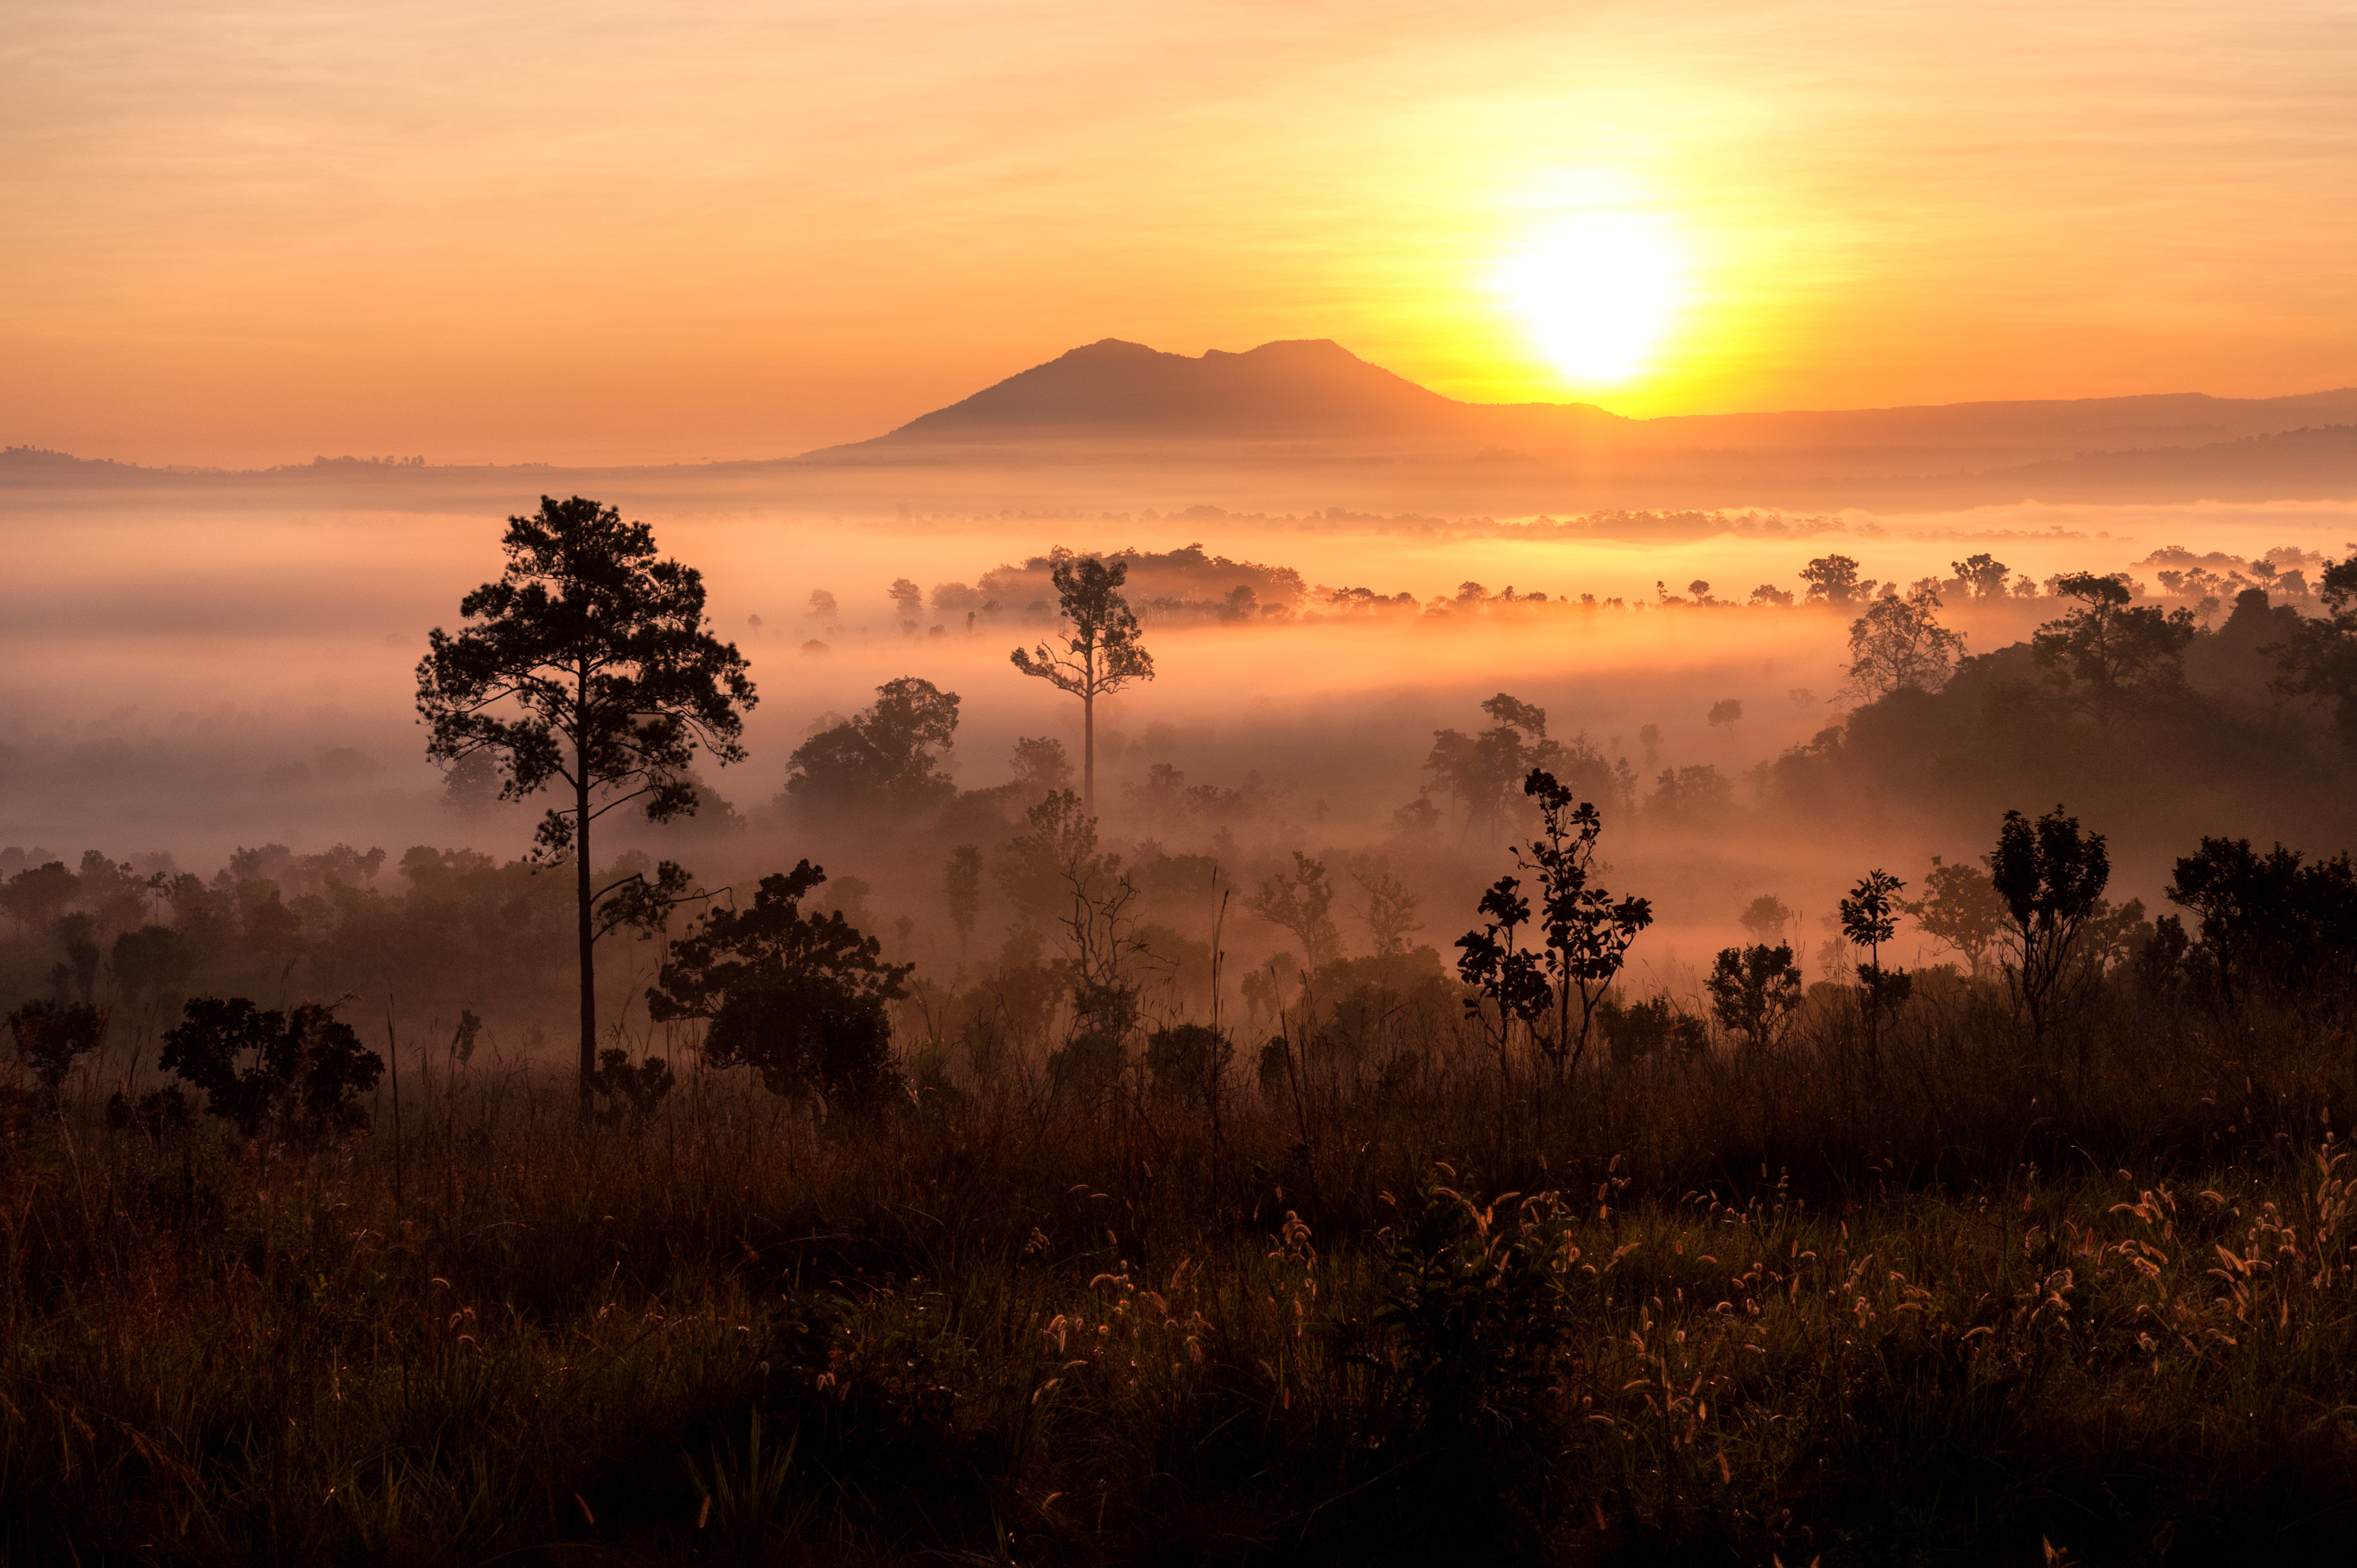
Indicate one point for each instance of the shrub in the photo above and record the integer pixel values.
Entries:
(1475, 1312)
(799, 998)
(1098, 1050)
(1274, 1068)
(1186, 1059)
(2270, 922)
(635, 1092)
(156, 1114)
(304, 1069)
(52, 1036)
(1754, 991)
(1585, 933)
(1643, 1028)
(2051, 877)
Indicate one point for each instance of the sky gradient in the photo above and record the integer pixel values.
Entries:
(588, 232)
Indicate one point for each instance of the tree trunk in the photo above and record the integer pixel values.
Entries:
(588, 937)
(1088, 754)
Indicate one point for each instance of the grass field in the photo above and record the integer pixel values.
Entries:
(1960, 1297)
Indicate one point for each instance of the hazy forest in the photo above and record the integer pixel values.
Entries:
(1889, 1110)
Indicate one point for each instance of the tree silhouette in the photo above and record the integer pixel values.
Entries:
(304, 1069)
(1698, 795)
(1056, 873)
(961, 891)
(1766, 917)
(51, 1036)
(883, 761)
(1959, 906)
(631, 1093)
(1754, 991)
(38, 896)
(1389, 912)
(152, 960)
(1982, 575)
(590, 664)
(1186, 1061)
(2052, 878)
(471, 785)
(1898, 643)
(1040, 767)
(2104, 658)
(2319, 662)
(78, 934)
(2269, 921)
(1482, 772)
(1303, 904)
(799, 998)
(1869, 917)
(1584, 932)
(1833, 580)
(1101, 653)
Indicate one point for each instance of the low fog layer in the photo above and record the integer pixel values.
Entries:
(182, 687)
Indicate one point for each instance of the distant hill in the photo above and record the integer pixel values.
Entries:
(2307, 464)
(1303, 388)
(1316, 390)
(1303, 426)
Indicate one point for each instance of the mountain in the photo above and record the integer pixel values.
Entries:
(1302, 388)
(1316, 390)
(1305, 426)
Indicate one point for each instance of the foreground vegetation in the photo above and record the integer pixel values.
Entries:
(1940, 1299)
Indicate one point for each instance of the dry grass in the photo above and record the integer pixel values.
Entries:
(1930, 1304)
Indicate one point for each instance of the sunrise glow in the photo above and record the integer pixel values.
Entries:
(1597, 295)
(239, 241)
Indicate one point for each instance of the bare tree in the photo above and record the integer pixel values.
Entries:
(1389, 912)
(1057, 869)
(1302, 904)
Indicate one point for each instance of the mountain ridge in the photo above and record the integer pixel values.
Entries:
(1305, 420)
(1314, 389)
(1287, 387)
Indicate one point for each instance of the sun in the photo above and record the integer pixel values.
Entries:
(1597, 293)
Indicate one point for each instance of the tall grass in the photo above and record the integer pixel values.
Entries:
(1940, 1300)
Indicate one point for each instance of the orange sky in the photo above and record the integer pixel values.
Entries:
(591, 232)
